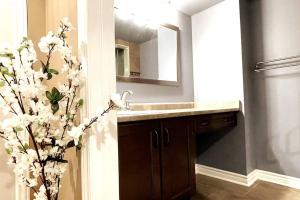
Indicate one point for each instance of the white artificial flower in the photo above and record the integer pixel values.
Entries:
(76, 132)
(117, 100)
(5, 50)
(75, 76)
(74, 60)
(60, 143)
(41, 194)
(26, 96)
(31, 182)
(65, 68)
(50, 41)
(67, 24)
(28, 54)
(4, 109)
(66, 52)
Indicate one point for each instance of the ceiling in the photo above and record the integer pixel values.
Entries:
(131, 32)
(191, 7)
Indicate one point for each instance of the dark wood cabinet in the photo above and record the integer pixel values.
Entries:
(178, 166)
(157, 157)
(139, 161)
(214, 122)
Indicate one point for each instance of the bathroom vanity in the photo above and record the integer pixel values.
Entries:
(157, 147)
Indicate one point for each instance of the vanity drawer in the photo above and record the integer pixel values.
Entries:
(214, 122)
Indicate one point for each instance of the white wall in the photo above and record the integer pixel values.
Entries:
(217, 53)
(149, 59)
(184, 92)
(167, 54)
(218, 76)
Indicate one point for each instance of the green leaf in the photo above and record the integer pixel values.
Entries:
(62, 161)
(53, 71)
(71, 144)
(21, 48)
(4, 70)
(80, 102)
(69, 116)
(79, 145)
(54, 108)
(26, 146)
(18, 129)
(55, 91)
(2, 83)
(8, 151)
(49, 76)
(49, 95)
(7, 55)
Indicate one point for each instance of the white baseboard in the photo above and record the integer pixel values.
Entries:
(251, 178)
(280, 179)
(223, 175)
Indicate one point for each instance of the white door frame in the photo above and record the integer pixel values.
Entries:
(99, 162)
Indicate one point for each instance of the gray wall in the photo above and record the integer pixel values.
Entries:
(247, 56)
(156, 93)
(218, 76)
(224, 150)
(276, 93)
(268, 137)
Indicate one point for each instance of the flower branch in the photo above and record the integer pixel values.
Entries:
(46, 116)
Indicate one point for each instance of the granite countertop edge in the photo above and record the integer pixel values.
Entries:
(162, 114)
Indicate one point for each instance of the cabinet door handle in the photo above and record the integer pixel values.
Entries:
(167, 137)
(204, 123)
(156, 142)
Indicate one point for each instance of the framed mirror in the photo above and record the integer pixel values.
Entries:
(146, 54)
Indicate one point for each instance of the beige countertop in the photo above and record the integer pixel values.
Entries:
(148, 111)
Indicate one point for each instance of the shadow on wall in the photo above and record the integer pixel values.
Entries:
(206, 140)
(276, 93)
(224, 150)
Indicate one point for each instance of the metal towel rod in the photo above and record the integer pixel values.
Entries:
(260, 66)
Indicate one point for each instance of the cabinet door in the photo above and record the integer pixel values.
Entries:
(139, 161)
(178, 154)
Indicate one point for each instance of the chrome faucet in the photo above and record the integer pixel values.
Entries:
(124, 95)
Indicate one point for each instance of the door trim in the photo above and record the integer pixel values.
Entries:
(99, 161)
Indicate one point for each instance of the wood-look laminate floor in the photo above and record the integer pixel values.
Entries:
(214, 189)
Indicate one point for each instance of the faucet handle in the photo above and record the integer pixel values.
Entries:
(130, 92)
(125, 93)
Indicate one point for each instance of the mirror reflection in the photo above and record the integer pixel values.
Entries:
(145, 53)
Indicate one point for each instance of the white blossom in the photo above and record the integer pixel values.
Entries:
(66, 23)
(75, 133)
(117, 100)
(41, 194)
(66, 52)
(49, 42)
(48, 116)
